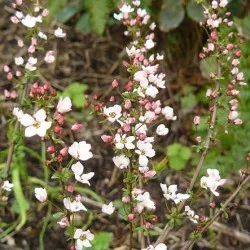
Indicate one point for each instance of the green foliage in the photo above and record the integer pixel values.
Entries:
(243, 26)
(171, 15)
(76, 92)
(178, 155)
(98, 10)
(101, 241)
(195, 11)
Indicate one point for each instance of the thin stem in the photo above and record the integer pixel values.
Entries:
(45, 224)
(190, 244)
(12, 143)
(209, 137)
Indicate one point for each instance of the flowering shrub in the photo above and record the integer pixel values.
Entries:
(135, 122)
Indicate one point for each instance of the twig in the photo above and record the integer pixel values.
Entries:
(245, 181)
(209, 137)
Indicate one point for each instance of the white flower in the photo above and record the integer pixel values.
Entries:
(74, 206)
(212, 181)
(144, 202)
(159, 57)
(168, 112)
(121, 161)
(83, 238)
(136, 2)
(35, 125)
(49, 57)
(64, 105)
(124, 141)
(170, 193)
(131, 52)
(19, 61)
(59, 33)
(7, 186)
(29, 21)
(141, 12)
(162, 130)
(78, 168)
(160, 246)
(223, 3)
(42, 35)
(41, 194)
(192, 216)
(80, 150)
(108, 209)
(30, 64)
(18, 113)
(19, 14)
(113, 113)
(144, 150)
(152, 91)
(118, 17)
(126, 8)
(214, 4)
(149, 44)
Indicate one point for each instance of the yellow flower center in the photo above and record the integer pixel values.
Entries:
(82, 237)
(36, 124)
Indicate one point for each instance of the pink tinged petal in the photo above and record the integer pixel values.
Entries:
(86, 156)
(150, 153)
(41, 131)
(86, 243)
(40, 115)
(78, 233)
(77, 168)
(73, 150)
(27, 120)
(130, 146)
(86, 177)
(143, 160)
(30, 131)
(46, 125)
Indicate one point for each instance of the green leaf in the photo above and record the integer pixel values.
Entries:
(171, 15)
(98, 10)
(83, 24)
(178, 156)
(195, 11)
(58, 215)
(207, 66)
(68, 12)
(76, 92)
(101, 241)
(22, 203)
(55, 6)
(161, 166)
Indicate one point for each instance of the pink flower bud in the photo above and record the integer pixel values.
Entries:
(58, 130)
(14, 19)
(148, 225)
(51, 149)
(76, 127)
(125, 199)
(6, 68)
(112, 99)
(107, 138)
(115, 84)
(18, 73)
(60, 119)
(198, 139)
(6, 93)
(64, 151)
(131, 217)
(13, 94)
(128, 86)
(230, 46)
(126, 127)
(19, 2)
(5, 198)
(70, 188)
(196, 120)
(9, 76)
(127, 104)
(45, 12)
(150, 174)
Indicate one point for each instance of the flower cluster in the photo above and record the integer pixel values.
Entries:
(228, 49)
(48, 119)
(134, 119)
(212, 181)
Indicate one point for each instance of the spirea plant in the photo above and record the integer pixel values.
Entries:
(136, 119)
